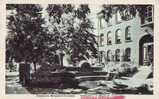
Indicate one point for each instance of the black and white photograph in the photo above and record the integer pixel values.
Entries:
(79, 49)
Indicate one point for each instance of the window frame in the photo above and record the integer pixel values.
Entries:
(108, 55)
(127, 54)
(117, 17)
(109, 35)
(117, 55)
(101, 39)
(147, 14)
(118, 36)
(128, 38)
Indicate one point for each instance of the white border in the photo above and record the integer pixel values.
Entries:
(3, 33)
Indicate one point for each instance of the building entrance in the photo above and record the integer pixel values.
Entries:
(146, 50)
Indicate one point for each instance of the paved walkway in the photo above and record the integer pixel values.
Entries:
(12, 73)
(12, 84)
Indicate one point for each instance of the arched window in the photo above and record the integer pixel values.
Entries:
(108, 55)
(127, 54)
(128, 33)
(118, 36)
(109, 38)
(117, 55)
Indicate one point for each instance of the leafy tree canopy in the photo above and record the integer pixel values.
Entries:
(25, 26)
(74, 41)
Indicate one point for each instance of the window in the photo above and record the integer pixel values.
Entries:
(108, 55)
(101, 39)
(127, 54)
(118, 36)
(118, 17)
(148, 53)
(127, 13)
(148, 14)
(128, 33)
(117, 55)
(101, 23)
(101, 57)
(109, 38)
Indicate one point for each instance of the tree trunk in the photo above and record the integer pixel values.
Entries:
(61, 59)
(34, 66)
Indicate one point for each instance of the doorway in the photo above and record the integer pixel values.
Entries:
(146, 50)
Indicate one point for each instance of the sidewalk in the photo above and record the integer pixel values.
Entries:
(10, 74)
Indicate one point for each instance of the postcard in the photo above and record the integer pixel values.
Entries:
(94, 49)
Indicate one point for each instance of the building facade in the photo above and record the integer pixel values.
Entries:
(128, 40)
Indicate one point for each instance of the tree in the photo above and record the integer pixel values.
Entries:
(25, 41)
(84, 38)
(60, 27)
(73, 37)
(31, 40)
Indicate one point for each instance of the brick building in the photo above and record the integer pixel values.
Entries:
(128, 40)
